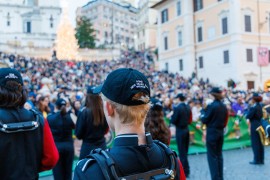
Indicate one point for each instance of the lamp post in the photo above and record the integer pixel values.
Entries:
(15, 44)
(196, 68)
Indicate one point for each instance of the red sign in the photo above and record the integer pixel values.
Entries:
(263, 56)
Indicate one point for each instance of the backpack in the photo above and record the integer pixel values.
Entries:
(22, 126)
(108, 166)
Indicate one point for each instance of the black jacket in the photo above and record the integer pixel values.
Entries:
(181, 116)
(129, 157)
(61, 127)
(255, 113)
(86, 130)
(20, 152)
(215, 115)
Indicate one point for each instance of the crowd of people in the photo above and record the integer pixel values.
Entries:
(65, 90)
(70, 79)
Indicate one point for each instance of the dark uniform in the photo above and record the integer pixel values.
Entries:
(61, 127)
(129, 157)
(92, 136)
(255, 116)
(215, 116)
(181, 118)
(20, 152)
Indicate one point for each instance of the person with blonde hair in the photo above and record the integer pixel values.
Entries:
(134, 155)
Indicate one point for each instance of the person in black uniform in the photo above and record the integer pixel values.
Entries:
(126, 96)
(61, 125)
(215, 117)
(255, 115)
(181, 118)
(91, 125)
(23, 133)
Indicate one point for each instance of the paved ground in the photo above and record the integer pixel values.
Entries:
(236, 166)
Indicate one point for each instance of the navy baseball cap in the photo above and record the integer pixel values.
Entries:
(156, 104)
(216, 90)
(122, 84)
(10, 74)
(180, 96)
(90, 89)
(60, 102)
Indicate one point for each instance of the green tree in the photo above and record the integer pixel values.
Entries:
(85, 33)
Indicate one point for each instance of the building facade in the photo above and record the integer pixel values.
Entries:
(115, 22)
(216, 39)
(28, 23)
(146, 29)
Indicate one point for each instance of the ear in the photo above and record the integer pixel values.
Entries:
(109, 108)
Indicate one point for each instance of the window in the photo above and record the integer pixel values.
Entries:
(226, 57)
(247, 23)
(181, 67)
(250, 84)
(27, 27)
(127, 40)
(117, 37)
(178, 8)
(200, 62)
(166, 66)
(224, 25)
(165, 43)
(249, 55)
(51, 21)
(180, 40)
(8, 19)
(198, 4)
(164, 16)
(200, 35)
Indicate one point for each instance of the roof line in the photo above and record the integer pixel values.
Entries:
(159, 3)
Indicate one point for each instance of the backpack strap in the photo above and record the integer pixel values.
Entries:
(172, 170)
(37, 116)
(108, 166)
(22, 126)
(104, 161)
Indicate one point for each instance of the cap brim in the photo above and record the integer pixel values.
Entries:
(98, 89)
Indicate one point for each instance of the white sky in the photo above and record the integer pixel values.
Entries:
(72, 6)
